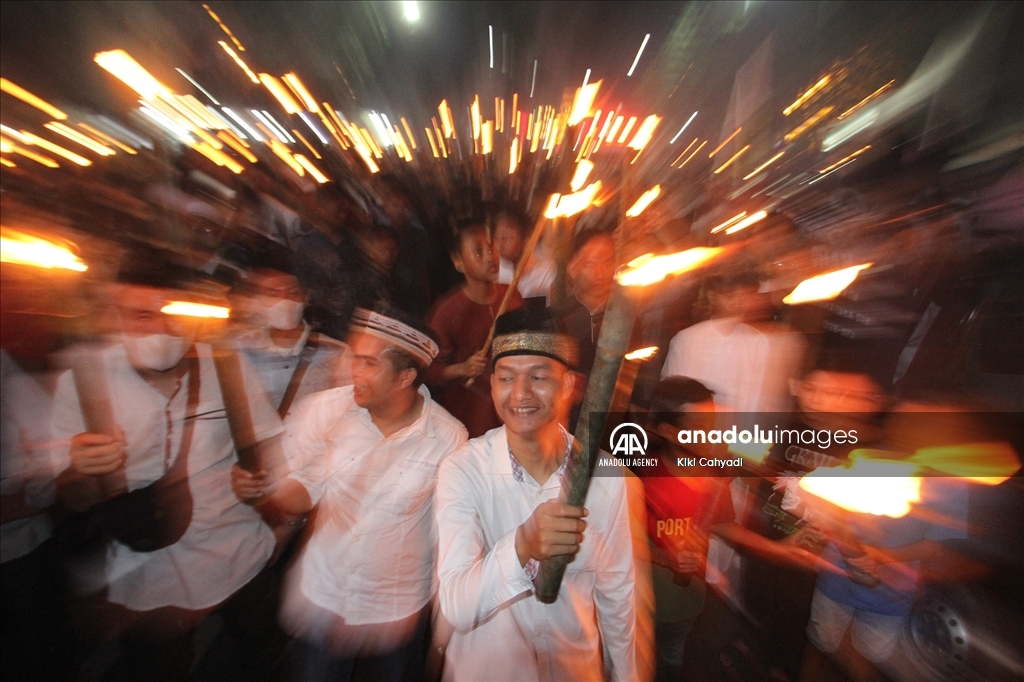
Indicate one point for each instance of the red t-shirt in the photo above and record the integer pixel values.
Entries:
(462, 327)
(676, 505)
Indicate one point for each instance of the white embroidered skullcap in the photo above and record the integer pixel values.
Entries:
(408, 339)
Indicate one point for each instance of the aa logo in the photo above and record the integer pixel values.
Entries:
(628, 439)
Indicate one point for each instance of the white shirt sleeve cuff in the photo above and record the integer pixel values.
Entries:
(515, 575)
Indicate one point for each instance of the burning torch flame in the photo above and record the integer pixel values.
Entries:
(570, 204)
(644, 201)
(642, 353)
(824, 287)
(24, 249)
(579, 177)
(879, 487)
(188, 309)
(583, 103)
(651, 269)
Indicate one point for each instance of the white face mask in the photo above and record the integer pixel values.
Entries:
(158, 352)
(285, 314)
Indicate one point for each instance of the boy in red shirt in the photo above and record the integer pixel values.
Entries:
(462, 319)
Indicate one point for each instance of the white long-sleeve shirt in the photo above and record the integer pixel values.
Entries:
(227, 542)
(371, 557)
(502, 632)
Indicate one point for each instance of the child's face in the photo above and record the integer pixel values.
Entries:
(477, 259)
(839, 392)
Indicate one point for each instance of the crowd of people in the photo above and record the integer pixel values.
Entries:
(360, 474)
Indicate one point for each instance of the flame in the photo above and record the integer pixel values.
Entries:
(583, 103)
(747, 222)
(869, 486)
(24, 249)
(642, 353)
(824, 287)
(579, 177)
(986, 463)
(570, 204)
(28, 98)
(277, 89)
(189, 309)
(121, 65)
(513, 156)
(644, 133)
(238, 60)
(446, 119)
(651, 269)
(753, 451)
(644, 201)
(78, 137)
(299, 89)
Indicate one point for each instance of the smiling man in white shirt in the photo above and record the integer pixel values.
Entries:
(500, 513)
(367, 455)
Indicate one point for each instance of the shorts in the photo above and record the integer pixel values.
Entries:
(874, 635)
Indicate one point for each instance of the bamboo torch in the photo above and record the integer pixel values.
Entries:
(612, 345)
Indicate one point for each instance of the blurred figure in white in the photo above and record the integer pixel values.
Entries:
(367, 455)
(511, 232)
(31, 587)
(501, 512)
(744, 362)
(292, 360)
(176, 544)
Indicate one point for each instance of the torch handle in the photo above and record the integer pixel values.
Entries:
(612, 345)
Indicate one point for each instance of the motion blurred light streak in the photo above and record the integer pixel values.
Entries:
(811, 92)
(131, 73)
(806, 125)
(579, 176)
(231, 142)
(867, 99)
(688, 122)
(843, 160)
(639, 52)
(693, 154)
(644, 133)
(7, 146)
(25, 249)
(55, 148)
(224, 28)
(108, 139)
(725, 142)
(731, 221)
(513, 154)
(446, 119)
(433, 145)
(583, 102)
(238, 60)
(305, 142)
(616, 124)
(200, 87)
(567, 205)
(641, 353)
(487, 137)
(277, 89)
(28, 98)
(824, 287)
(746, 222)
(763, 166)
(75, 136)
(731, 159)
(167, 124)
(644, 201)
(683, 153)
(650, 269)
(408, 131)
(238, 119)
(300, 89)
(9, 164)
(280, 128)
(877, 487)
(313, 170)
(190, 309)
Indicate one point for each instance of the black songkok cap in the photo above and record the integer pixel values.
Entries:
(528, 331)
